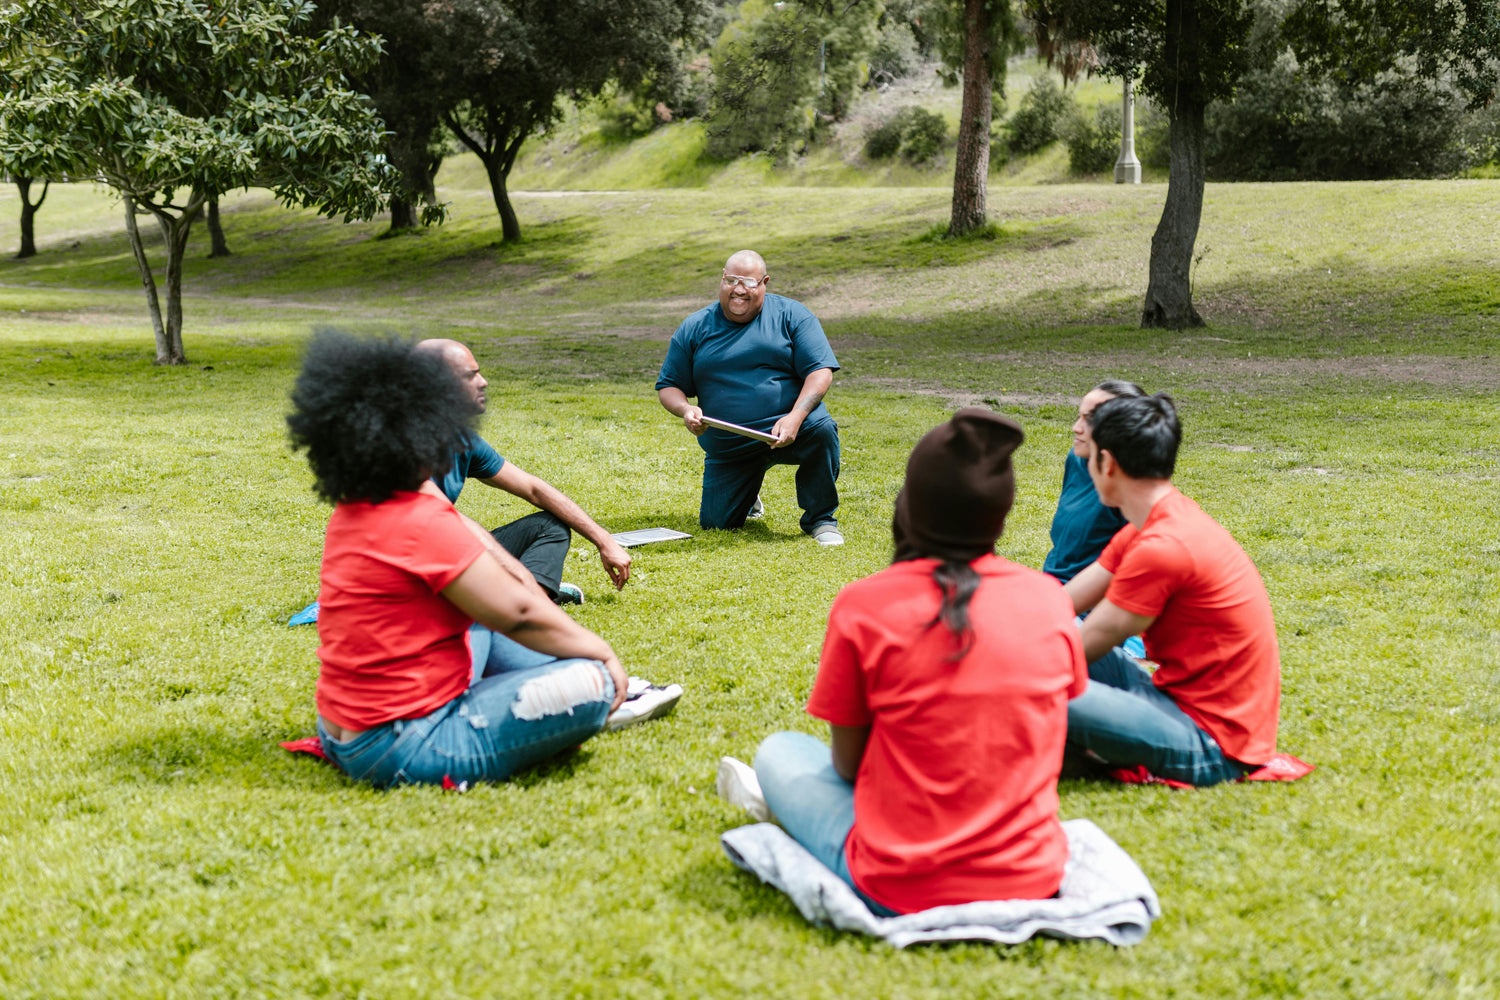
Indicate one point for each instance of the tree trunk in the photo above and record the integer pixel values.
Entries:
(403, 216)
(971, 169)
(174, 232)
(1169, 293)
(218, 246)
(163, 349)
(28, 215)
(510, 226)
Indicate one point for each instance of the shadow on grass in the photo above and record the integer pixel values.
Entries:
(205, 754)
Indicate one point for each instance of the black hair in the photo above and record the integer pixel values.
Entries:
(1119, 388)
(958, 581)
(376, 415)
(1142, 433)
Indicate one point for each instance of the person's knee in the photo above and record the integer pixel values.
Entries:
(553, 528)
(560, 691)
(781, 756)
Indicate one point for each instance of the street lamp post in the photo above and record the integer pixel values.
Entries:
(1127, 167)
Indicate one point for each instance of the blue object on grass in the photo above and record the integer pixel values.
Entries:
(306, 616)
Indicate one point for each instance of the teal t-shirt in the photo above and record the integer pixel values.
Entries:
(477, 461)
(747, 373)
(1082, 525)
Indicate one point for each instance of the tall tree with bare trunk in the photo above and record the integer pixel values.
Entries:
(974, 39)
(1187, 54)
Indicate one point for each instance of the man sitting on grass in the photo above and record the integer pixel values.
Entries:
(536, 544)
(1209, 712)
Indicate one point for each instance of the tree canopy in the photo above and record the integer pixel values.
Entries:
(172, 101)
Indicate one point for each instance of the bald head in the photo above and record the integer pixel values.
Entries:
(739, 302)
(746, 262)
(461, 360)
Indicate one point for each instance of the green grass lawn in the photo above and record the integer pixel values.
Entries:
(1341, 419)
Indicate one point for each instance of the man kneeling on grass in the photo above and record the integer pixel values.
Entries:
(406, 693)
(1209, 712)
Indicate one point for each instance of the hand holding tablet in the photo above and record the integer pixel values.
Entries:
(748, 432)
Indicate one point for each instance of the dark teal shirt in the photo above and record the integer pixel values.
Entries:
(477, 461)
(1082, 525)
(747, 373)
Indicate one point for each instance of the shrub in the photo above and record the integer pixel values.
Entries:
(1038, 120)
(916, 133)
(1093, 143)
(895, 55)
(884, 140)
(924, 135)
(1283, 126)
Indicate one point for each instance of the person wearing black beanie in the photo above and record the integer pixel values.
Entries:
(945, 679)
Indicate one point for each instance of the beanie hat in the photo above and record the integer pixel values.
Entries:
(959, 487)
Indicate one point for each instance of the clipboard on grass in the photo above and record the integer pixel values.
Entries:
(645, 536)
(739, 429)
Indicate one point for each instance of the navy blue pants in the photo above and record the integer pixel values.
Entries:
(539, 542)
(730, 485)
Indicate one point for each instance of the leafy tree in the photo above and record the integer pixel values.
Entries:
(507, 62)
(782, 68)
(171, 101)
(1187, 54)
(974, 39)
(406, 84)
(1361, 39)
(1040, 117)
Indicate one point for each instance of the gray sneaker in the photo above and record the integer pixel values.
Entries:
(643, 700)
(757, 510)
(828, 534)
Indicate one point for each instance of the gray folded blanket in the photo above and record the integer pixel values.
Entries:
(1104, 894)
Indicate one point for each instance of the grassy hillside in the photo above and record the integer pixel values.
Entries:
(1341, 417)
(579, 155)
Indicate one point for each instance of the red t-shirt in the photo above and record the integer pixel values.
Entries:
(956, 796)
(1214, 637)
(393, 646)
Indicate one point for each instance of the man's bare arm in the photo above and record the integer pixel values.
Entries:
(540, 493)
(676, 403)
(1088, 587)
(1107, 626)
(814, 388)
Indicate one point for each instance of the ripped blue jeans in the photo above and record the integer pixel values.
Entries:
(522, 707)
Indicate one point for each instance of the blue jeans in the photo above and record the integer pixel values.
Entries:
(1125, 720)
(815, 806)
(524, 707)
(730, 485)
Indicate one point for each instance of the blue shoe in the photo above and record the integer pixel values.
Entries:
(568, 593)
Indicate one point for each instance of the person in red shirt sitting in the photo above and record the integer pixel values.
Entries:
(1209, 712)
(945, 680)
(404, 576)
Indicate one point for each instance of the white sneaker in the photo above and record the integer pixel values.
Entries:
(757, 510)
(738, 785)
(643, 700)
(828, 534)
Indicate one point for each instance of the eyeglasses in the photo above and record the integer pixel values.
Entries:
(751, 284)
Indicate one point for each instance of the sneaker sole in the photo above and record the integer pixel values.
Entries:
(626, 716)
(733, 783)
